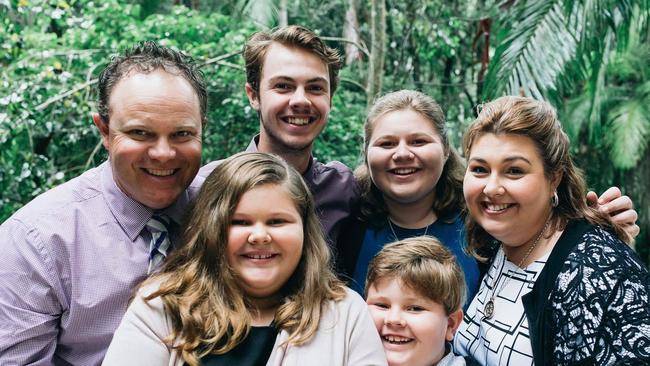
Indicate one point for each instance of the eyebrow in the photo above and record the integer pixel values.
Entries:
(509, 159)
(275, 212)
(377, 294)
(410, 299)
(410, 135)
(312, 80)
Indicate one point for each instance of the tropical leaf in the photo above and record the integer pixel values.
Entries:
(262, 12)
(630, 129)
(551, 45)
(596, 86)
(533, 51)
(574, 114)
(644, 91)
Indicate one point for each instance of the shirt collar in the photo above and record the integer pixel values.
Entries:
(308, 175)
(131, 215)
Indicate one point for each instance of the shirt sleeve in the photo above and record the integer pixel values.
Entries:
(31, 299)
(139, 339)
(625, 329)
(365, 346)
(601, 307)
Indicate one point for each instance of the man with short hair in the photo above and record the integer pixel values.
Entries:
(291, 77)
(73, 256)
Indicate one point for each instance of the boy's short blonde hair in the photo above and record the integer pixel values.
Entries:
(426, 266)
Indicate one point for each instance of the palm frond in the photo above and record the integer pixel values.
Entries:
(596, 85)
(554, 45)
(630, 128)
(574, 115)
(263, 12)
(644, 91)
(533, 52)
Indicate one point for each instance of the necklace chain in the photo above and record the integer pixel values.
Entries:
(488, 309)
(392, 230)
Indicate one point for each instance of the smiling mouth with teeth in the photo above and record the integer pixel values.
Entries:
(161, 172)
(396, 340)
(298, 121)
(496, 208)
(404, 171)
(259, 256)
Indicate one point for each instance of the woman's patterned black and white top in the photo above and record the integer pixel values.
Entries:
(589, 305)
(503, 339)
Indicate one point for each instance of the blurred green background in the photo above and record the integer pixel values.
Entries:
(589, 58)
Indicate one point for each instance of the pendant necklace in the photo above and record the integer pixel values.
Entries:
(488, 309)
(392, 230)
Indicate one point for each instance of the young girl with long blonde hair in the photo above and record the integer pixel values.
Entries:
(251, 285)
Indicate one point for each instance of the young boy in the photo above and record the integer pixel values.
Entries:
(415, 291)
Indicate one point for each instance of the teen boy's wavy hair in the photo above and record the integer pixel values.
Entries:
(258, 44)
(208, 310)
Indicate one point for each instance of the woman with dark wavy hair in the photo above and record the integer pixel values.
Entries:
(251, 285)
(562, 287)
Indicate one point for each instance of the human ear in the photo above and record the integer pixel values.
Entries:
(557, 178)
(453, 322)
(253, 97)
(102, 127)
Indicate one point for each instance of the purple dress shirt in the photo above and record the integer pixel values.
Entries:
(71, 260)
(333, 186)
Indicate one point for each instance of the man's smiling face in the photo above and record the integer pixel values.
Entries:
(293, 100)
(153, 136)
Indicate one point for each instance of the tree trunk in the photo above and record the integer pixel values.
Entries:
(283, 15)
(377, 49)
(445, 85)
(483, 33)
(351, 33)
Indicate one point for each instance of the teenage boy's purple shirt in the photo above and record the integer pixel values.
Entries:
(71, 259)
(333, 186)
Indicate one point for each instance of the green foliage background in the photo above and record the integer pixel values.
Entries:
(461, 53)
